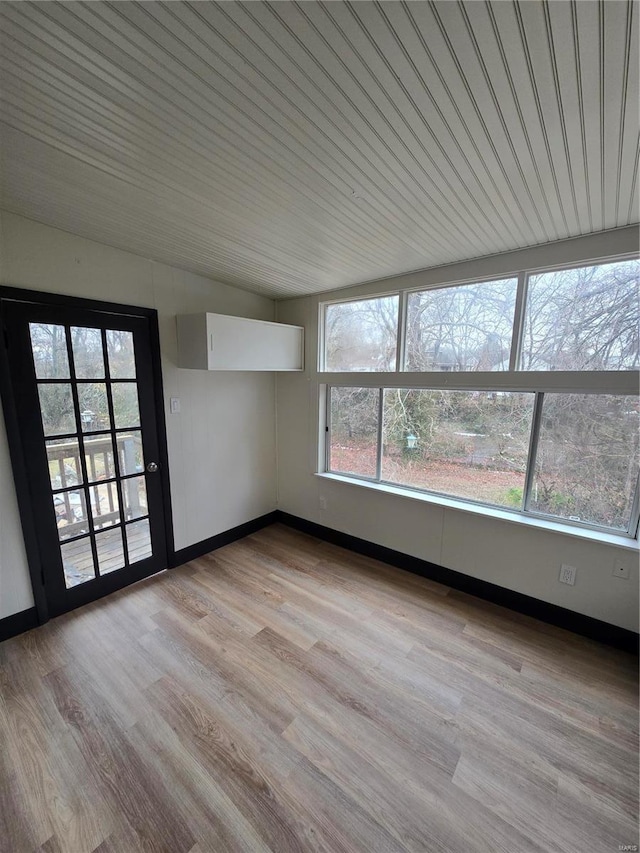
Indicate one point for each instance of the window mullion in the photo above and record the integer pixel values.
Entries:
(327, 429)
(379, 442)
(635, 510)
(533, 450)
(518, 321)
(321, 354)
(401, 340)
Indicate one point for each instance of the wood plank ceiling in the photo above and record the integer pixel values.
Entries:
(290, 148)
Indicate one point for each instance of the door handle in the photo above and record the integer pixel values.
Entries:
(152, 467)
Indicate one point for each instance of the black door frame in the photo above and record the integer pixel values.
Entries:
(10, 294)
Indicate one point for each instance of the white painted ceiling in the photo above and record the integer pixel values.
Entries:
(292, 148)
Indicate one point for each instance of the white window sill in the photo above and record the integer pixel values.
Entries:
(619, 540)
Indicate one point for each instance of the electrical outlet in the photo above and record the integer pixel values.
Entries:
(322, 501)
(567, 574)
(620, 568)
(175, 405)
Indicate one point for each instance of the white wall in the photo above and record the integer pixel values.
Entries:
(501, 552)
(221, 445)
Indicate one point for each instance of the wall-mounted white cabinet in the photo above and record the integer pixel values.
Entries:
(221, 342)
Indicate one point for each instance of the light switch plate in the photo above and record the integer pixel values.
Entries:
(175, 405)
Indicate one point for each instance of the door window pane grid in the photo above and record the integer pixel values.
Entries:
(98, 442)
(70, 507)
(52, 380)
(134, 492)
(86, 535)
(63, 459)
(77, 551)
(100, 457)
(83, 460)
(64, 452)
(105, 499)
(78, 557)
(106, 481)
(67, 490)
(94, 410)
(126, 412)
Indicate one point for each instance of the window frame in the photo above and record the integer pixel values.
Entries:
(522, 275)
(631, 532)
(539, 382)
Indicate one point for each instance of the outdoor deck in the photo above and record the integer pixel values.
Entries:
(78, 558)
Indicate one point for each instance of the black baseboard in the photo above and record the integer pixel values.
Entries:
(199, 549)
(18, 623)
(587, 626)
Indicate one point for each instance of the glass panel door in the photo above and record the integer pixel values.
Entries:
(84, 395)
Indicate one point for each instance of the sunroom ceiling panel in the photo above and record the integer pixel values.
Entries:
(291, 148)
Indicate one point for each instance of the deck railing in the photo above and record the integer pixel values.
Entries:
(65, 471)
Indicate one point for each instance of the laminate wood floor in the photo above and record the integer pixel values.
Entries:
(283, 694)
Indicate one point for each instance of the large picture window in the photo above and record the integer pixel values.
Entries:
(517, 393)
(571, 457)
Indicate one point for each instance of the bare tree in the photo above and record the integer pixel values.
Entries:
(461, 328)
(583, 319)
(362, 335)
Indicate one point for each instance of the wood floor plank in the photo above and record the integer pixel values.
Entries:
(250, 599)
(418, 817)
(523, 794)
(243, 778)
(53, 787)
(226, 664)
(212, 816)
(523, 730)
(140, 797)
(282, 694)
(407, 720)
